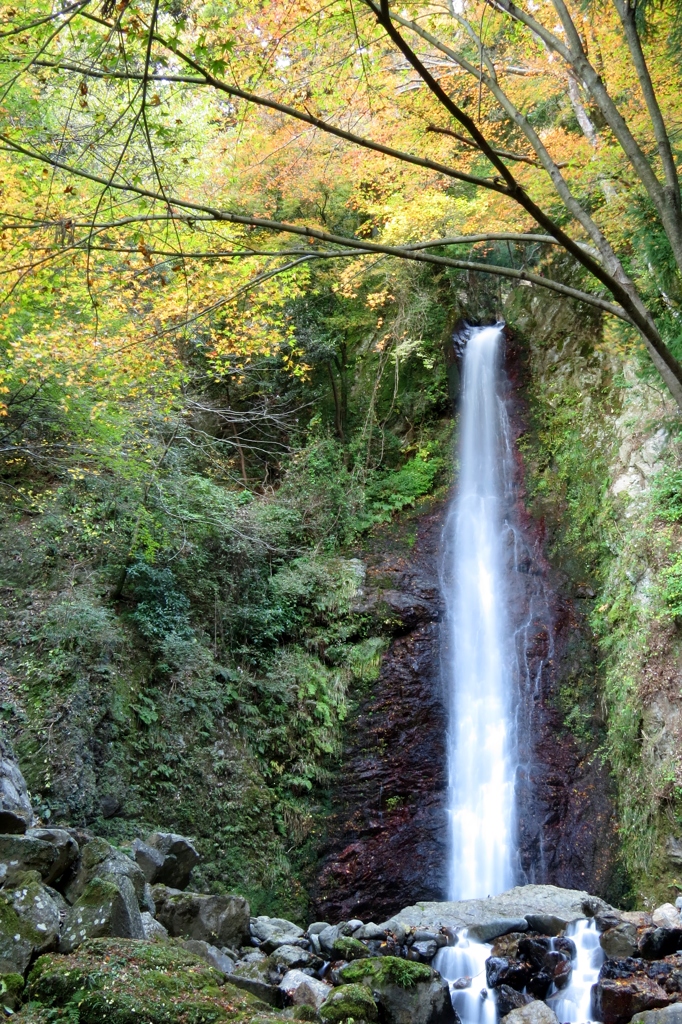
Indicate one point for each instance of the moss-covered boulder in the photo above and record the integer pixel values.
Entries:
(347, 948)
(118, 981)
(107, 907)
(29, 923)
(11, 987)
(407, 992)
(349, 1002)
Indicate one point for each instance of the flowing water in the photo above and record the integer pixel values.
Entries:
(485, 661)
(479, 678)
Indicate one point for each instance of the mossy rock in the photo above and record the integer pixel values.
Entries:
(127, 981)
(386, 970)
(350, 949)
(11, 987)
(349, 1002)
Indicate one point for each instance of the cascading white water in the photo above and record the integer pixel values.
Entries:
(481, 546)
(479, 678)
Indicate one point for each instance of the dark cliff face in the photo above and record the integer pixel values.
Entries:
(387, 841)
(387, 838)
(565, 816)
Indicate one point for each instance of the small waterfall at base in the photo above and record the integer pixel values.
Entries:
(479, 678)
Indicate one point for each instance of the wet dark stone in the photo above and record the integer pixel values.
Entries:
(535, 949)
(509, 999)
(500, 970)
(567, 946)
(539, 984)
(655, 943)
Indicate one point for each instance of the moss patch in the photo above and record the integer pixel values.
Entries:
(349, 1002)
(386, 970)
(118, 981)
(350, 949)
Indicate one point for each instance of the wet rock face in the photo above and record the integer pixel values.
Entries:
(566, 822)
(386, 845)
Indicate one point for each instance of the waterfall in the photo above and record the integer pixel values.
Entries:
(480, 655)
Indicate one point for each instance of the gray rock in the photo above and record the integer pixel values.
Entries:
(667, 916)
(486, 919)
(327, 939)
(353, 925)
(147, 902)
(315, 944)
(426, 950)
(287, 957)
(65, 845)
(166, 858)
(620, 941)
(29, 924)
(667, 1015)
(211, 954)
(316, 927)
(218, 920)
(673, 848)
(100, 860)
(16, 813)
(256, 977)
(371, 931)
(536, 1012)
(546, 924)
(153, 929)
(274, 928)
(106, 907)
(302, 990)
(20, 853)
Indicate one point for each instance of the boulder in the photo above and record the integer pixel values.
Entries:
(211, 954)
(107, 907)
(547, 906)
(98, 859)
(535, 1012)
(285, 958)
(29, 924)
(272, 932)
(20, 853)
(327, 938)
(348, 948)
(153, 929)
(666, 1015)
(258, 978)
(407, 992)
(425, 950)
(655, 943)
(667, 916)
(65, 845)
(617, 1000)
(16, 813)
(509, 999)
(350, 1001)
(620, 941)
(301, 990)
(11, 989)
(218, 920)
(501, 970)
(166, 858)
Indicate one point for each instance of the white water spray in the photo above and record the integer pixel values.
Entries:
(479, 677)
